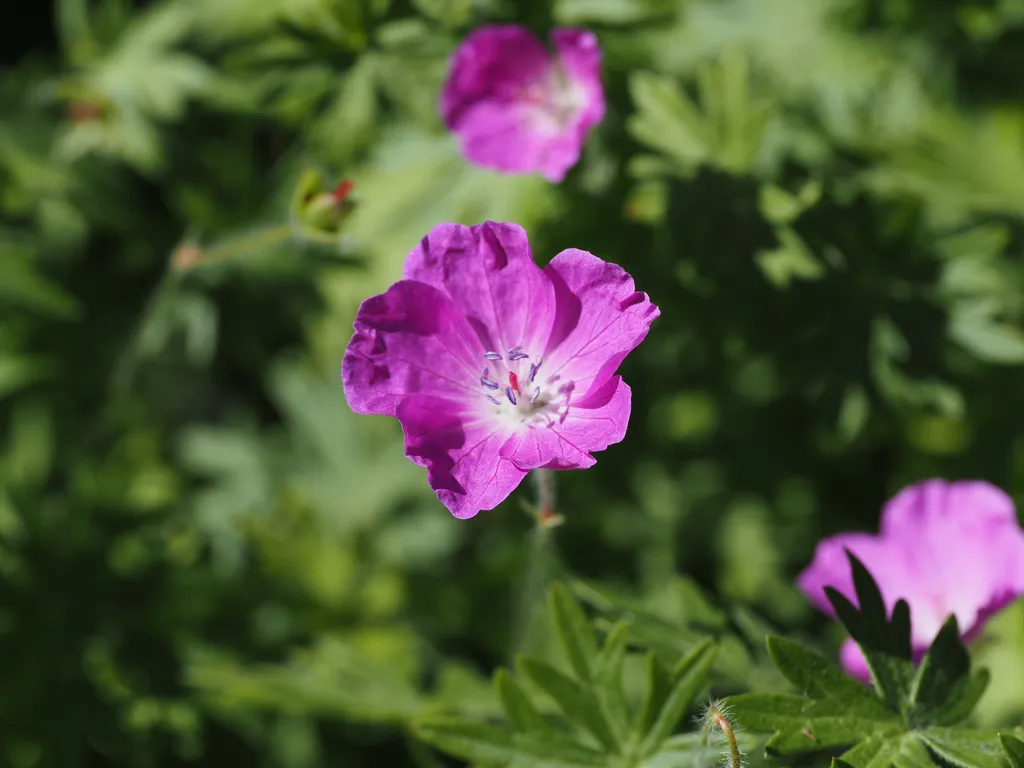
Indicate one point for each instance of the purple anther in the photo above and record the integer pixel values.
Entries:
(494, 400)
(489, 383)
(514, 350)
(534, 367)
(536, 394)
(492, 355)
(510, 395)
(517, 356)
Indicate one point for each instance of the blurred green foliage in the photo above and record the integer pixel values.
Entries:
(206, 558)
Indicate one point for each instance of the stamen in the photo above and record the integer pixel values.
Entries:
(494, 400)
(536, 394)
(534, 367)
(510, 395)
(517, 356)
(489, 383)
(514, 350)
(492, 355)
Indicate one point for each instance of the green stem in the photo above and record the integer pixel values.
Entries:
(535, 576)
(264, 238)
(715, 717)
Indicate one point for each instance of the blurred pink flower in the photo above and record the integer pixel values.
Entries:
(493, 365)
(946, 548)
(518, 108)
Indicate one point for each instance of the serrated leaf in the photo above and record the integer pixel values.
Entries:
(884, 640)
(912, 753)
(876, 752)
(608, 675)
(659, 685)
(552, 749)
(1014, 749)
(688, 679)
(574, 631)
(944, 691)
(666, 119)
(798, 724)
(517, 705)
(468, 739)
(975, 326)
(965, 747)
(575, 701)
(818, 678)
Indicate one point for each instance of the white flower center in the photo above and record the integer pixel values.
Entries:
(554, 100)
(514, 388)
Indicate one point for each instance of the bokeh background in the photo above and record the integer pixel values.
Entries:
(205, 558)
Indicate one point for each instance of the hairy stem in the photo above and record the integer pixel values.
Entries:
(716, 717)
(538, 562)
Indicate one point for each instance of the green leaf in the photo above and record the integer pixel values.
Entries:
(885, 641)
(944, 691)
(520, 710)
(976, 326)
(574, 631)
(453, 13)
(912, 753)
(1014, 749)
(798, 724)
(791, 260)
(966, 747)
(818, 678)
(666, 119)
(18, 372)
(552, 749)
(876, 752)
(608, 676)
(468, 739)
(577, 702)
(779, 206)
(688, 680)
(22, 285)
(659, 686)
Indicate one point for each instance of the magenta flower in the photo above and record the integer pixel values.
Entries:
(519, 109)
(493, 365)
(945, 548)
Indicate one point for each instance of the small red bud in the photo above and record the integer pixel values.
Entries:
(343, 190)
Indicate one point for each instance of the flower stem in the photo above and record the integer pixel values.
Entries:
(264, 238)
(716, 716)
(539, 558)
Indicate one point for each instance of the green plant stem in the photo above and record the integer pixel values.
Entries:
(264, 238)
(535, 575)
(716, 718)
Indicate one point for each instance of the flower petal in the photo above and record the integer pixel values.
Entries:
(513, 110)
(580, 56)
(509, 138)
(853, 661)
(599, 318)
(893, 570)
(970, 523)
(493, 63)
(489, 272)
(410, 339)
(463, 458)
(831, 568)
(593, 424)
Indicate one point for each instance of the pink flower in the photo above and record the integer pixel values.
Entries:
(515, 107)
(945, 548)
(493, 365)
